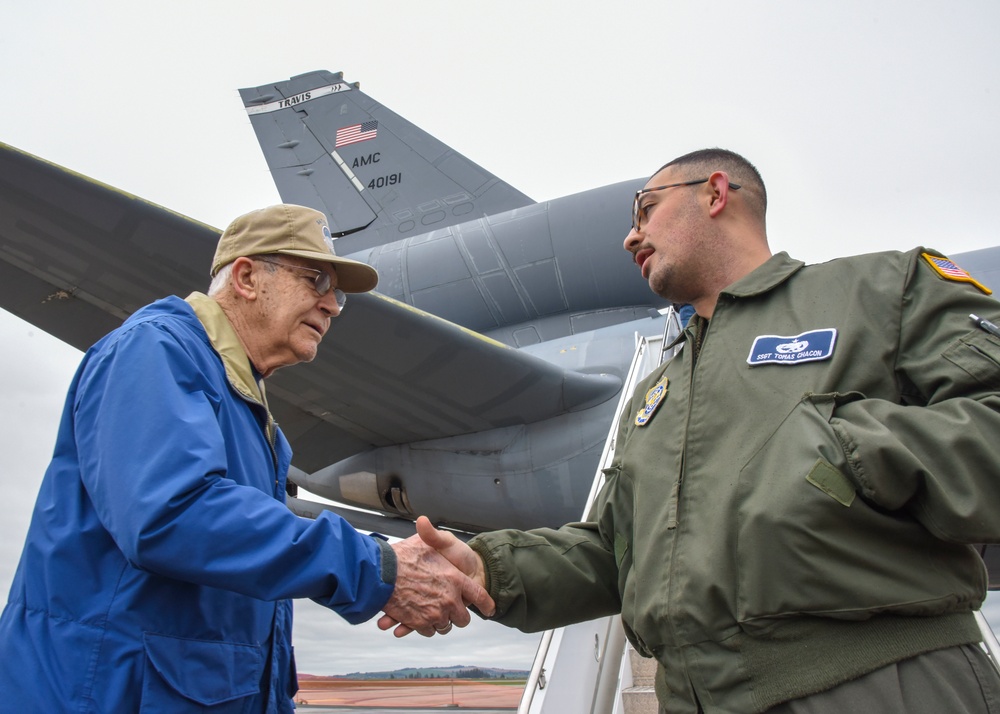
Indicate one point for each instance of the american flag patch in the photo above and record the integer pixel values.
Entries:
(949, 271)
(358, 132)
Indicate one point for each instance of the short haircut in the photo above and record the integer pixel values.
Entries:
(221, 279)
(705, 161)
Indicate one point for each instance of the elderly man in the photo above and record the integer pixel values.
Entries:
(160, 559)
(785, 523)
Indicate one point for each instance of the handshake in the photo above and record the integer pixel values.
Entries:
(437, 578)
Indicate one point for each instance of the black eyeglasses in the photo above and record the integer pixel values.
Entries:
(321, 282)
(638, 210)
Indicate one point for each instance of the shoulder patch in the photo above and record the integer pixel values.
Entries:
(949, 271)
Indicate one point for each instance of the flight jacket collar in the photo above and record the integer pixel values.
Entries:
(776, 270)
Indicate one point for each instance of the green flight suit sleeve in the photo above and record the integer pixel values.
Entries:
(936, 454)
(546, 578)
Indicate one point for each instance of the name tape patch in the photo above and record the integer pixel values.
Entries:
(808, 347)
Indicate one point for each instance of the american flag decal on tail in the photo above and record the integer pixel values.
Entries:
(355, 133)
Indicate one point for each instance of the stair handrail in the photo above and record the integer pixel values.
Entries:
(643, 344)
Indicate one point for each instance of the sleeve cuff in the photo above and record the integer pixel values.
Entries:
(387, 561)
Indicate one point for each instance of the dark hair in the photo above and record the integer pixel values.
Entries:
(739, 169)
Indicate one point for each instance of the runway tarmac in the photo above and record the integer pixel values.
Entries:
(434, 695)
(310, 709)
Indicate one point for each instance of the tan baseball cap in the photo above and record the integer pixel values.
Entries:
(291, 230)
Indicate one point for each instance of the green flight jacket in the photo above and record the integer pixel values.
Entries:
(790, 516)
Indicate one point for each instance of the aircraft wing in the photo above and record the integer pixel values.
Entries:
(77, 257)
(388, 373)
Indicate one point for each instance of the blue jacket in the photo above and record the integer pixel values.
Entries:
(160, 558)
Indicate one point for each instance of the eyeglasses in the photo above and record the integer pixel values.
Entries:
(321, 282)
(639, 210)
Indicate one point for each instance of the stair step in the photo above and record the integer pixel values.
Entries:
(640, 700)
(643, 669)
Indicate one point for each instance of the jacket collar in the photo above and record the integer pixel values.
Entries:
(776, 270)
(227, 344)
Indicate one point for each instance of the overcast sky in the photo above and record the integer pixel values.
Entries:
(872, 123)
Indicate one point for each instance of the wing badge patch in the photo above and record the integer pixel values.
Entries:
(654, 398)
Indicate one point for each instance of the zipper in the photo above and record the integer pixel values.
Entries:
(270, 430)
(699, 337)
(675, 492)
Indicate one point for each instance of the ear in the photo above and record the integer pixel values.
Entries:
(245, 278)
(718, 183)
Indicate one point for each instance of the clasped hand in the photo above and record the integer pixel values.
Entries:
(437, 578)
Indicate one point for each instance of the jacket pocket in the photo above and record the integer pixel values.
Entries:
(977, 355)
(807, 543)
(184, 675)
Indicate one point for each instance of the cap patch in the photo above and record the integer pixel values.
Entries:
(949, 271)
(328, 238)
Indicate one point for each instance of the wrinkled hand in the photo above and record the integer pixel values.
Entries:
(458, 553)
(435, 582)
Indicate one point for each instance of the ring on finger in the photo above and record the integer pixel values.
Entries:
(443, 630)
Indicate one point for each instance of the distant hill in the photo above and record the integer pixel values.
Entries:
(458, 671)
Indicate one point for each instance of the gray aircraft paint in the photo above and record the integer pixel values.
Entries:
(453, 240)
(477, 386)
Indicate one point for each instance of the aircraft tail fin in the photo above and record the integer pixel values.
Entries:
(376, 176)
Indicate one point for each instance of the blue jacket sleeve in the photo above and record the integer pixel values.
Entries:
(155, 443)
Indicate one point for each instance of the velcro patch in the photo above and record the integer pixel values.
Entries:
(830, 481)
(808, 347)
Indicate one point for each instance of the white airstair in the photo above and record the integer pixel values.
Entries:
(585, 667)
(590, 666)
